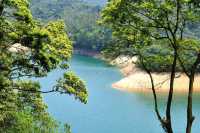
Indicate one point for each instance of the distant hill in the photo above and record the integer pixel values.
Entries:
(80, 17)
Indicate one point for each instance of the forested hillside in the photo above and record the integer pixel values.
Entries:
(80, 18)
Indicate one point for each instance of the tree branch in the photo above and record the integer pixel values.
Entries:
(55, 89)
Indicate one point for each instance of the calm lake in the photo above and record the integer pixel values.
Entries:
(109, 110)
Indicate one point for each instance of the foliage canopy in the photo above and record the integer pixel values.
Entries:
(28, 50)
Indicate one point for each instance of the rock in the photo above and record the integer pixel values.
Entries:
(18, 48)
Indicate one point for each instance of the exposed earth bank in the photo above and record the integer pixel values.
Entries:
(136, 80)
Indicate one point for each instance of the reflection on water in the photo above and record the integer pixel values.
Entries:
(109, 110)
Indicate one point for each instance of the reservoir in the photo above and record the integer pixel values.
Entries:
(109, 110)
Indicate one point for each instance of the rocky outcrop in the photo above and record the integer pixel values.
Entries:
(18, 48)
(126, 64)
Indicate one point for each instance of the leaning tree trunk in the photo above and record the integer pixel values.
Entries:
(190, 117)
(154, 96)
(153, 90)
(1, 6)
(170, 96)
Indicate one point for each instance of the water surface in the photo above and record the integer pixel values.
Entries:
(109, 110)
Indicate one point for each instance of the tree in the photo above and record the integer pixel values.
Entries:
(157, 22)
(27, 50)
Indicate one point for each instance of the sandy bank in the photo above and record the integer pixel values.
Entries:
(138, 81)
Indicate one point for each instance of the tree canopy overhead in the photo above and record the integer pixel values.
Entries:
(29, 49)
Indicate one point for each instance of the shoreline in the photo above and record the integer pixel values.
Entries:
(93, 54)
(85, 52)
(136, 80)
(140, 82)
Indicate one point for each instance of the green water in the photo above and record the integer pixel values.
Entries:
(109, 110)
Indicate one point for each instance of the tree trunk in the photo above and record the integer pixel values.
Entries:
(153, 90)
(1, 7)
(154, 96)
(190, 117)
(170, 95)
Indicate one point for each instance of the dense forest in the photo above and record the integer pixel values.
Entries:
(80, 18)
